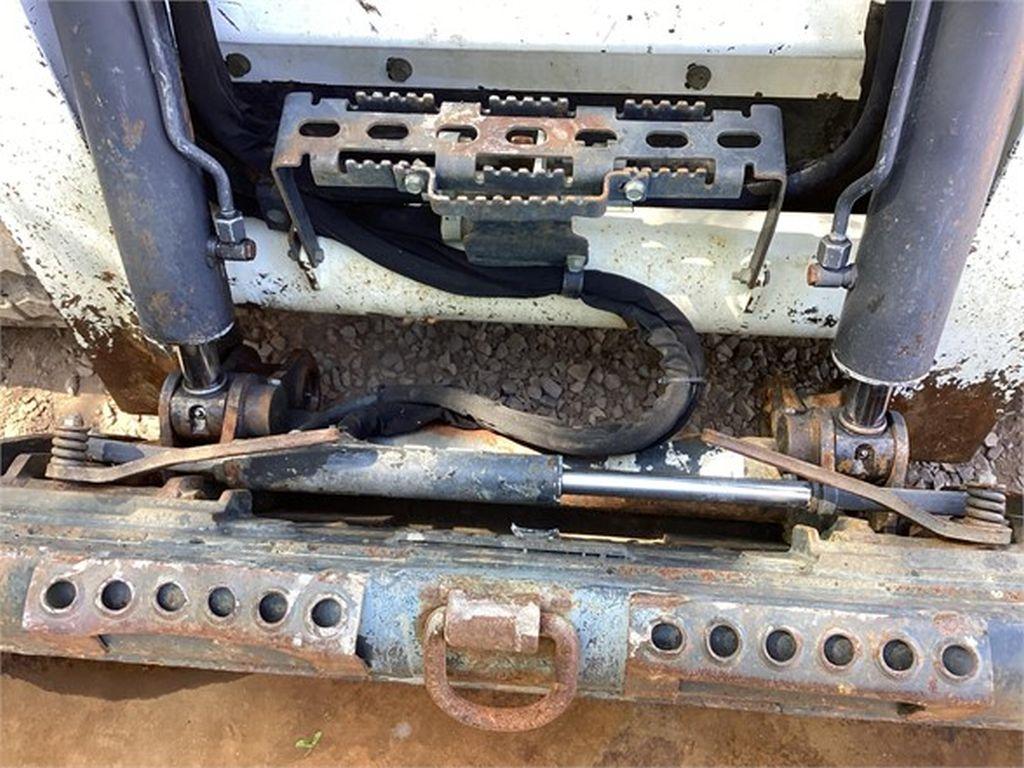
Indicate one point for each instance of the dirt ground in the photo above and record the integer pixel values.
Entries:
(61, 712)
(91, 713)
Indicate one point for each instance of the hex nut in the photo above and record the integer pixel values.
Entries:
(834, 254)
(230, 228)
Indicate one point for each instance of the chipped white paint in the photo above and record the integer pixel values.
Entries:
(624, 463)
(50, 198)
(51, 202)
(722, 464)
(678, 459)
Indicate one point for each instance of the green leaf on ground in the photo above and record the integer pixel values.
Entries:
(309, 744)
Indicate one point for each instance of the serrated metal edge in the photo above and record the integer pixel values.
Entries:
(648, 109)
(393, 101)
(528, 106)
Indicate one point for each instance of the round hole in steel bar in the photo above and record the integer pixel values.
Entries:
(116, 595)
(273, 607)
(238, 65)
(221, 602)
(780, 646)
(723, 641)
(60, 594)
(170, 597)
(666, 637)
(326, 613)
(897, 655)
(838, 650)
(959, 661)
(398, 69)
(697, 77)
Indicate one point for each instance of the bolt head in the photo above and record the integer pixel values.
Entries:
(415, 183)
(575, 262)
(634, 190)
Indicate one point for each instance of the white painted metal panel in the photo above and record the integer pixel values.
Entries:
(797, 48)
(690, 256)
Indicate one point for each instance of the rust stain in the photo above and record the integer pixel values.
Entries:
(130, 367)
(948, 423)
(132, 131)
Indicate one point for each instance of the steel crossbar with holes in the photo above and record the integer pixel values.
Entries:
(517, 161)
(856, 625)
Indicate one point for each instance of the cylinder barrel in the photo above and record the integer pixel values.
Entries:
(155, 198)
(922, 219)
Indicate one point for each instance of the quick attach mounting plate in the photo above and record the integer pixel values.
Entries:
(515, 172)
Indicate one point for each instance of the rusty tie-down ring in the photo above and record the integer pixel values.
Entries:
(507, 719)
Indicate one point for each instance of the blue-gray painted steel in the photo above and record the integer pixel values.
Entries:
(154, 196)
(922, 219)
(613, 592)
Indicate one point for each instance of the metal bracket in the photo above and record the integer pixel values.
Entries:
(311, 617)
(507, 627)
(524, 161)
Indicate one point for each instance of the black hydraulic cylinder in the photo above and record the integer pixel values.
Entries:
(155, 198)
(923, 217)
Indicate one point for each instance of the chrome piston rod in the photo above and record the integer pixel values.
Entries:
(711, 490)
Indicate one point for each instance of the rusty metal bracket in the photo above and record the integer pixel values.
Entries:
(644, 613)
(171, 457)
(484, 624)
(947, 529)
(502, 167)
(312, 618)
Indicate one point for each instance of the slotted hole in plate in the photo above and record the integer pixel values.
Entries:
(319, 129)
(667, 139)
(739, 140)
(457, 134)
(525, 136)
(596, 137)
(388, 131)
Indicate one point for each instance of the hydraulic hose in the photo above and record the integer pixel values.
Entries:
(805, 181)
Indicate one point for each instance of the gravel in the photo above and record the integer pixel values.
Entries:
(582, 376)
(579, 376)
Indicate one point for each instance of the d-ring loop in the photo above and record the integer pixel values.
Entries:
(509, 719)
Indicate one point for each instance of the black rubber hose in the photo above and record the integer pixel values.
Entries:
(401, 409)
(858, 144)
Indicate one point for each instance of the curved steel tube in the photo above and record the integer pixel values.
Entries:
(164, 65)
(906, 71)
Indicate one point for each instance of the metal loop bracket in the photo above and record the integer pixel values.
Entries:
(506, 719)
